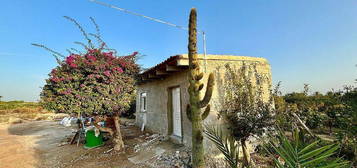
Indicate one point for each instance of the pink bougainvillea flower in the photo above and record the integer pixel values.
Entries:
(82, 85)
(70, 59)
(92, 50)
(91, 58)
(86, 61)
(107, 73)
(73, 65)
(135, 53)
(102, 66)
(91, 76)
(55, 79)
(66, 92)
(122, 63)
(118, 69)
(109, 55)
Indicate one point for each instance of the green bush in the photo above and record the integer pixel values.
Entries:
(296, 153)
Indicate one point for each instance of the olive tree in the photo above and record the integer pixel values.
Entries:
(245, 111)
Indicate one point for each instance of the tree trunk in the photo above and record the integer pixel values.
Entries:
(118, 139)
(246, 154)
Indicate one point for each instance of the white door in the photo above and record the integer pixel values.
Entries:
(176, 111)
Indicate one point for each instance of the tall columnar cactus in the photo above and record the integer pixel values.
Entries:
(194, 113)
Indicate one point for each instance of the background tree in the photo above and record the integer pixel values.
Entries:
(333, 113)
(92, 81)
(244, 111)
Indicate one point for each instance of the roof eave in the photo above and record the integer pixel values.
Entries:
(171, 65)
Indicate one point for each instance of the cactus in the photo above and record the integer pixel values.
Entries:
(193, 112)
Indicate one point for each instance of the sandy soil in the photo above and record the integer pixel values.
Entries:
(41, 144)
(16, 151)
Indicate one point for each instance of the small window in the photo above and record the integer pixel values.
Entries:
(143, 102)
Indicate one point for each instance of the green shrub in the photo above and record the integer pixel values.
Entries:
(296, 153)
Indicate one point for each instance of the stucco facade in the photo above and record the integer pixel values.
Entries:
(158, 81)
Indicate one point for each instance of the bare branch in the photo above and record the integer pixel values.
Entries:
(48, 49)
(81, 29)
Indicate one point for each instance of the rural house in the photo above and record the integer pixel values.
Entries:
(162, 94)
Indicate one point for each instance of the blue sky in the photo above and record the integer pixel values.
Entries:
(305, 41)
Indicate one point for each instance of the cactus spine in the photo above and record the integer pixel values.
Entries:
(193, 112)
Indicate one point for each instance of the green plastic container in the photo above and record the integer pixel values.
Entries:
(92, 141)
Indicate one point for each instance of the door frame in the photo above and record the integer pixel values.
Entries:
(170, 112)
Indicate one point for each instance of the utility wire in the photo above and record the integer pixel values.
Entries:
(141, 15)
(156, 20)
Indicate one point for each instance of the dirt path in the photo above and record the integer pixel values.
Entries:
(16, 151)
(22, 145)
(40, 144)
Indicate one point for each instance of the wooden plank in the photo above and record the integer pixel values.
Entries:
(74, 138)
(182, 62)
(159, 72)
(171, 68)
(151, 76)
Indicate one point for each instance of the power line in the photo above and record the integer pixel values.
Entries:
(156, 20)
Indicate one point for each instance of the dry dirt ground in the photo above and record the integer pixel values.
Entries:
(42, 144)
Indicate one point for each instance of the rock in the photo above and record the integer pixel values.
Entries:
(62, 144)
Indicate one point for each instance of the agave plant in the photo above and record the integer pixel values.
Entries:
(297, 154)
(226, 144)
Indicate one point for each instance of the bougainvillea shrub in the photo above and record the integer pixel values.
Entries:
(94, 82)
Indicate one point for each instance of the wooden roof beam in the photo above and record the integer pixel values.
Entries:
(182, 62)
(159, 72)
(171, 68)
(152, 76)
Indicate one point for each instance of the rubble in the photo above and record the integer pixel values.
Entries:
(150, 141)
(178, 159)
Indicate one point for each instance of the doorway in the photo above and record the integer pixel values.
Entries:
(176, 112)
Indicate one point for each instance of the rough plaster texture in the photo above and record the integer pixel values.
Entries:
(157, 92)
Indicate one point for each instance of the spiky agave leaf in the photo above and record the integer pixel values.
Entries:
(226, 144)
(308, 156)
